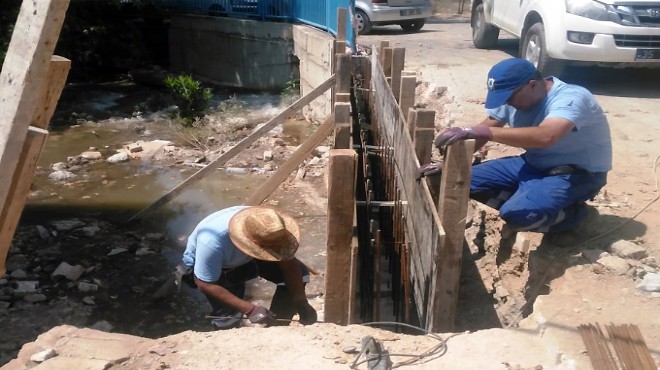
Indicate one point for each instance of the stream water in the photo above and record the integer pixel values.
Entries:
(115, 192)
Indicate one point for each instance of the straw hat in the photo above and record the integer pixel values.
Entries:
(265, 233)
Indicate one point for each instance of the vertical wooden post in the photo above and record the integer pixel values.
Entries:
(341, 208)
(387, 63)
(407, 92)
(381, 51)
(25, 67)
(452, 209)
(424, 133)
(398, 61)
(342, 126)
(343, 78)
(341, 24)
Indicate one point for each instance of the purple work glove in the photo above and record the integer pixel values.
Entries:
(260, 315)
(449, 136)
(306, 312)
(429, 169)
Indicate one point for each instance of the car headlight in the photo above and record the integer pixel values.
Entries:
(589, 9)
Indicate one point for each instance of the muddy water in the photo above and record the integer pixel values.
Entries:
(116, 192)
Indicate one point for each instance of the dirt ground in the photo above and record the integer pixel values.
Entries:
(522, 298)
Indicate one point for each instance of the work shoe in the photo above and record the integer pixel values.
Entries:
(581, 233)
(221, 320)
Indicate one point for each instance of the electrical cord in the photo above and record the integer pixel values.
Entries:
(428, 355)
(565, 253)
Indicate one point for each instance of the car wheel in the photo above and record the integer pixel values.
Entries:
(363, 22)
(484, 35)
(413, 26)
(533, 48)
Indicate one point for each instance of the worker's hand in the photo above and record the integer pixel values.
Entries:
(306, 312)
(454, 134)
(429, 169)
(260, 315)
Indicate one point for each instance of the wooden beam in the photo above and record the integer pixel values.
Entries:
(381, 51)
(454, 198)
(282, 173)
(387, 62)
(58, 71)
(341, 23)
(341, 206)
(398, 61)
(25, 67)
(342, 126)
(280, 118)
(19, 190)
(51, 89)
(343, 84)
(407, 93)
(424, 134)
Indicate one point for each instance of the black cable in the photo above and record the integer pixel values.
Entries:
(433, 353)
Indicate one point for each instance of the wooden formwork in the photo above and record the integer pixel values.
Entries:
(434, 224)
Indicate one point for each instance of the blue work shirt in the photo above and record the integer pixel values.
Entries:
(210, 249)
(588, 145)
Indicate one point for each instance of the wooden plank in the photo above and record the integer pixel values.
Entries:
(25, 67)
(407, 93)
(280, 118)
(381, 50)
(341, 208)
(282, 173)
(343, 84)
(387, 62)
(453, 205)
(342, 14)
(398, 61)
(19, 190)
(51, 89)
(58, 71)
(342, 126)
(424, 134)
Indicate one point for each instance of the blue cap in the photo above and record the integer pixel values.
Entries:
(505, 77)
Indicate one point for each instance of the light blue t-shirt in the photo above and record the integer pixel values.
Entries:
(588, 145)
(210, 249)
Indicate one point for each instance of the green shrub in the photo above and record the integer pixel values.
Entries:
(190, 97)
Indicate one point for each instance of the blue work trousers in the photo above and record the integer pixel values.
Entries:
(532, 200)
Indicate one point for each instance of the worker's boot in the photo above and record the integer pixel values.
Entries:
(282, 306)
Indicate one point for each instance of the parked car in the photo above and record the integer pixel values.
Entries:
(409, 14)
(555, 33)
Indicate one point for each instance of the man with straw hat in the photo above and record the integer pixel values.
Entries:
(240, 243)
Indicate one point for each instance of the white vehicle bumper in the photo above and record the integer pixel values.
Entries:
(394, 14)
(604, 47)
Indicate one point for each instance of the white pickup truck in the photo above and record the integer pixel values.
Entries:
(554, 33)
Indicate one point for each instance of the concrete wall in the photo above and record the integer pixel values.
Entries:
(253, 55)
(233, 52)
(314, 49)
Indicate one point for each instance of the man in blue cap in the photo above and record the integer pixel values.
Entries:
(568, 149)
